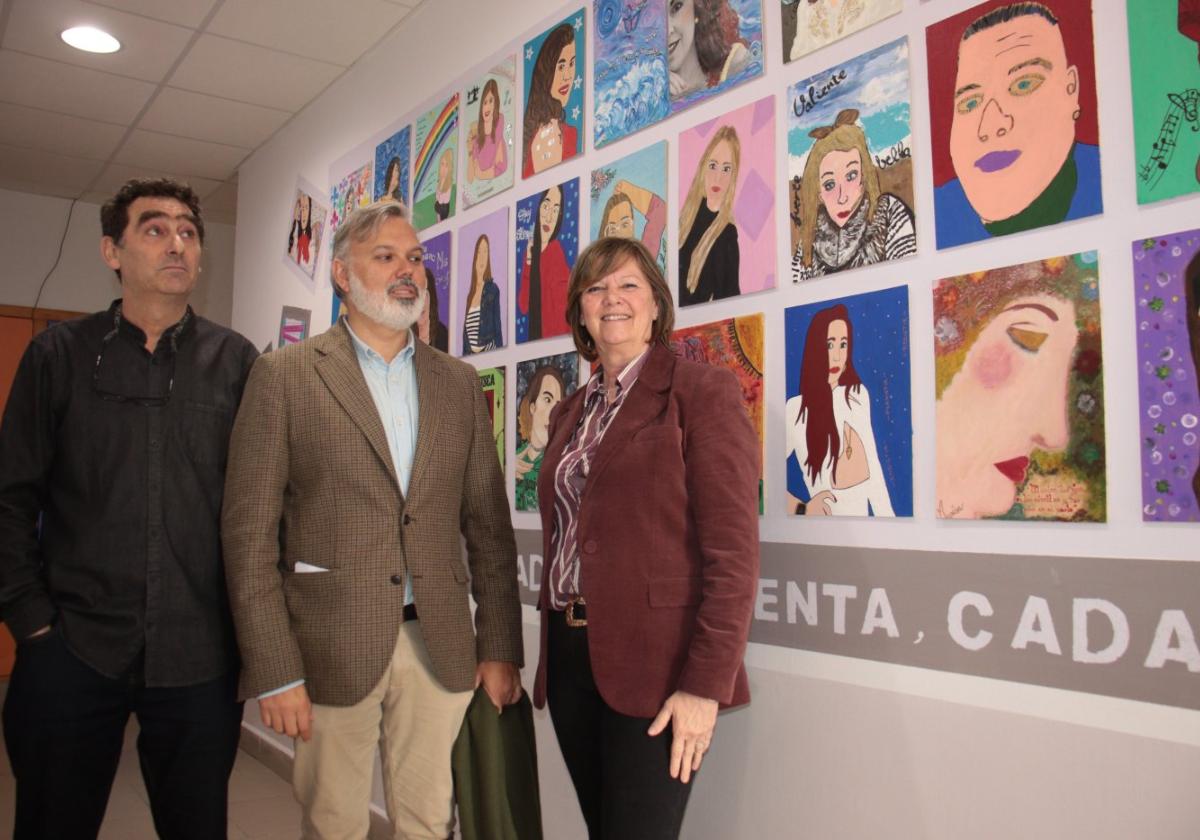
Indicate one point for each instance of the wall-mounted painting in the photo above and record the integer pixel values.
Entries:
(435, 163)
(629, 199)
(391, 166)
(433, 325)
(811, 24)
(727, 205)
(553, 121)
(848, 421)
(489, 113)
(1020, 392)
(547, 234)
(1012, 93)
(306, 233)
(1166, 287)
(850, 169)
(482, 284)
(541, 385)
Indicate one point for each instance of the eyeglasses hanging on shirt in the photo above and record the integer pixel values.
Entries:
(150, 401)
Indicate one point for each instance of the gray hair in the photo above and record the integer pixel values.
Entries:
(360, 226)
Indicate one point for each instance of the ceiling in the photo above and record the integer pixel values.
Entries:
(197, 86)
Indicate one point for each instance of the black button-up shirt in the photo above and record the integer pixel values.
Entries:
(126, 560)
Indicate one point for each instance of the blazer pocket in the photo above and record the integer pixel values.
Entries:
(660, 435)
(675, 591)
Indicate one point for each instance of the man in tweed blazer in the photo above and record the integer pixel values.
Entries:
(358, 458)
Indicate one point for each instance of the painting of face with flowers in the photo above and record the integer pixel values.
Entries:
(1020, 393)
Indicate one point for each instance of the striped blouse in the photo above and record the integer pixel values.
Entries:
(570, 478)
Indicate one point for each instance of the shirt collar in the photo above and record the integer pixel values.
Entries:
(625, 378)
(173, 334)
(365, 353)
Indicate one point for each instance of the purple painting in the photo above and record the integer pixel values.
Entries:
(434, 325)
(1166, 274)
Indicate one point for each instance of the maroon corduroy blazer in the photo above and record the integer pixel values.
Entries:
(668, 538)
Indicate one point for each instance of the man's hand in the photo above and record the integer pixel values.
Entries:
(288, 712)
(692, 722)
(501, 681)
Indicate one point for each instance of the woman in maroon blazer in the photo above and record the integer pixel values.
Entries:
(649, 501)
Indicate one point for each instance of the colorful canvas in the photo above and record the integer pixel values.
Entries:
(1012, 92)
(391, 166)
(435, 164)
(547, 235)
(553, 119)
(737, 344)
(348, 194)
(850, 170)
(482, 284)
(433, 325)
(727, 205)
(1020, 393)
(848, 420)
(711, 47)
(491, 380)
(541, 385)
(305, 233)
(1164, 45)
(630, 73)
(1166, 284)
(490, 113)
(629, 199)
(293, 325)
(811, 24)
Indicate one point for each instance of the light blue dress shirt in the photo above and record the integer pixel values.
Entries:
(393, 387)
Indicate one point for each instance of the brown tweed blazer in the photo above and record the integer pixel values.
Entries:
(310, 479)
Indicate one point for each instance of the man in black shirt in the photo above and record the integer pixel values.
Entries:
(112, 466)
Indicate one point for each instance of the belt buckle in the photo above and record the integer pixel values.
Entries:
(572, 621)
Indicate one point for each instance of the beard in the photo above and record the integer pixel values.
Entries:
(382, 308)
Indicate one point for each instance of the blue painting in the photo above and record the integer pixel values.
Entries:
(712, 45)
(630, 67)
(547, 234)
(553, 119)
(391, 166)
(629, 199)
(848, 420)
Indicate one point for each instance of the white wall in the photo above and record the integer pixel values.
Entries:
(830, 746)
(31, 228)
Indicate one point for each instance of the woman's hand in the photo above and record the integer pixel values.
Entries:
(692, 722)
(523, 463)
(821, 504)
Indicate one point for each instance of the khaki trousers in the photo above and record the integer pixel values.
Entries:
(414, 722)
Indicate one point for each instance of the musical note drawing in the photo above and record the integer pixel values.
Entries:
(1183, 107)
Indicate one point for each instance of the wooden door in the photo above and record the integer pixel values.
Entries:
(17, 326)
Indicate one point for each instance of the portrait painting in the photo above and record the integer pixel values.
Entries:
(809, 25)
(435, 163)
(491, 381)
(629, 200)
(1164, 62)
(348, 194)
(547, 237)
(727, 205)
(1020, 393)
(392, 158)
(541, 385)
(489, 114)
(850, 170)
(848, 417)
(482, 284)
(306, 233)
(1013, 122)
(736, 344)
(552, 129)
(712, 45)
(1166, 287)
(293, 325)
(432, 326)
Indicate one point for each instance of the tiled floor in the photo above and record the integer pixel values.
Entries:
(261, 805)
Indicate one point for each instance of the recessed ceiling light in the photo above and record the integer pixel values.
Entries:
(90, 39)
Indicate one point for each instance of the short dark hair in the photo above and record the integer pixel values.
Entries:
(114, 215)
(603, 257)
(1006, 13)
